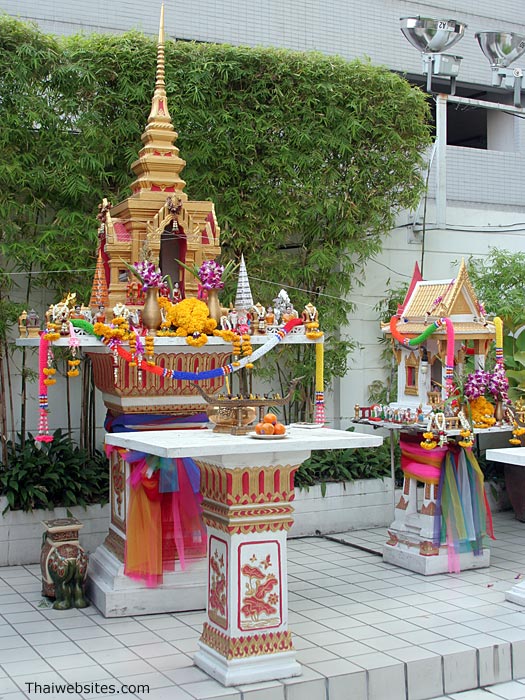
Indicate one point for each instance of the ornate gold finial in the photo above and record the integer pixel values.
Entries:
(159, 106)
(159, 165)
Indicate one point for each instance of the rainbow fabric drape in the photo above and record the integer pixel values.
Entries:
(462, 517)
(164, 519)
(418, 463)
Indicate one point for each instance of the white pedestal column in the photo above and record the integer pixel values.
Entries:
(248, 512)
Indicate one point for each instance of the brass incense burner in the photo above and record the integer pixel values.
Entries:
(235, 414)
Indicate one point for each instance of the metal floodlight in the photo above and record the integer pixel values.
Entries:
(501, 49)
(432, 37)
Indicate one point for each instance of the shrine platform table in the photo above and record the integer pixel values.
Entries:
(508, 455)
(514, 459)
(247, 488)
(205, 442)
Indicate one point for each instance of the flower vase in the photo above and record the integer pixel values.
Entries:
(151, 315)
(499, 411)
(214, 306)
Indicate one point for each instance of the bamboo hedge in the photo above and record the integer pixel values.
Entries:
(307, 158)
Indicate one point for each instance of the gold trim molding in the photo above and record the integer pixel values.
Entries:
(244, 647)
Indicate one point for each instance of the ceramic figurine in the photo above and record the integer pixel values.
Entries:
(260, 318)
(60, 317)
(77, 312)
(243, 321)
(233, 318)
(100, 316)
(225, 324)
(121, 311)
(22, 324)
(33, 324)
(64, 564)
(310, 314)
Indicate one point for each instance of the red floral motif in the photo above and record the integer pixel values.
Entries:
(258, 587)
(217, 595)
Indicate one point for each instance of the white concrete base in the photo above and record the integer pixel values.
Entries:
(516, 594)
(117, 595)
(348, 505)
(252, 670)
(431, 565)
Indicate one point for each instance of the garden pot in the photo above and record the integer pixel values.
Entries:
(515, 486)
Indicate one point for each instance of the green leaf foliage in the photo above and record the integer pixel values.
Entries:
(345, 465)
(58, 473)
(499, 280)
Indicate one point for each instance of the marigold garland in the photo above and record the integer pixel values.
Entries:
(517, 432)
(118, 330)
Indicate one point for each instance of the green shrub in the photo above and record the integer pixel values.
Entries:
(344, 465)
(58, 473)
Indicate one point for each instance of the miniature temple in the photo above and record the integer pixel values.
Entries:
(157, 222)
(422, 378)
(438, 324)
(157, 542)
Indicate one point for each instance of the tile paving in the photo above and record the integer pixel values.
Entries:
(363, 629)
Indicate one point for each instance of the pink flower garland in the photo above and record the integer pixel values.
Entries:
(43, 428)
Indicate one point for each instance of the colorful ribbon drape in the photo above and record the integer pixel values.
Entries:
(462, 517)
(418, 463)
(432, 328)
(164, 520)
(273, 340)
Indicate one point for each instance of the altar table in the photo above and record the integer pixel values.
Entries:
(247, 487)
(514, 456)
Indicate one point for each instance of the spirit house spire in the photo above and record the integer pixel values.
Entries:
(158, 166)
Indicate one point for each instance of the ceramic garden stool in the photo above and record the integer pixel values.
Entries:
(63, 563)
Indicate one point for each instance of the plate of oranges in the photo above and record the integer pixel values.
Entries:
(269, 429)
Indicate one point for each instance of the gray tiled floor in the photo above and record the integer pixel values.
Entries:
(363, 629)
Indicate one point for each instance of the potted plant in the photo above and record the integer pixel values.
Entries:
(45, 481)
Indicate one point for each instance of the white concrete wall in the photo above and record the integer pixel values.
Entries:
(352, 505)
(21, 533)
(348, 28)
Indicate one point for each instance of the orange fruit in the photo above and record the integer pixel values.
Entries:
(267, 429)
(270, 418)
(279, 429)
(259, 428)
